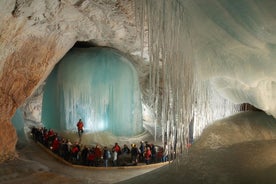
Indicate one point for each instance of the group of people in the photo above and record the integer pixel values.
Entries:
(77, 153)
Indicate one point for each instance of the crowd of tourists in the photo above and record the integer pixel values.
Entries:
(97, 155)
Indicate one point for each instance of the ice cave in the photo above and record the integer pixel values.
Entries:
(198, 75)
(97, 85)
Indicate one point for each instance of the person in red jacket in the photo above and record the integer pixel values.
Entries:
(116, 151)
(91, 157)
(80, 127)
(147, 155)
(55, 145)
(74, 152)
(98, 155)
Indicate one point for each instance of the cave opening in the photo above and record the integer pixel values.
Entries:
(249, 107)
(96, 84)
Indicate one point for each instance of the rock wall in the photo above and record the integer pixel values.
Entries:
(36, 34)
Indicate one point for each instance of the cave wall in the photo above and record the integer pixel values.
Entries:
(36, 34)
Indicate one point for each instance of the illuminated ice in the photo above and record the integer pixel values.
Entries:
(96, 85)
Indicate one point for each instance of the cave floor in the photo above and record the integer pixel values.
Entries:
(35, 165)
(252, 162)
(245, 153)
(249, 162)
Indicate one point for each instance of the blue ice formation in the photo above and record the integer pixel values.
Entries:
(97, 85)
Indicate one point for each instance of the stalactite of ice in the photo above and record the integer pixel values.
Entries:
(214, 107)
(176, 95)
(96, 85)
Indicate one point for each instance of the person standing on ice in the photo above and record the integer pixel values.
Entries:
(80, 127)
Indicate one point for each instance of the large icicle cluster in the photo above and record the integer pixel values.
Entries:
(176, 95)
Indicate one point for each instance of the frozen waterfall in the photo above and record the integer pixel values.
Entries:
(97, 85)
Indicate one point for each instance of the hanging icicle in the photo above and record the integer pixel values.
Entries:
(175, 95)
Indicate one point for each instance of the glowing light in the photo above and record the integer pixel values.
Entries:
(98, 86)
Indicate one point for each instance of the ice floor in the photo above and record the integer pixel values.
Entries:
(240, 149)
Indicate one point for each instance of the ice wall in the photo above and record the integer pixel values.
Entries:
(208, 56)
(234, 46)
(97, 85)
(181, 37)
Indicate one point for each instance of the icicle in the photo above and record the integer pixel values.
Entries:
(175, 95)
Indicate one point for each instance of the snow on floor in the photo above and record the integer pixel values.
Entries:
(239, 149)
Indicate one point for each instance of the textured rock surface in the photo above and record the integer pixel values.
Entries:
(35, 35)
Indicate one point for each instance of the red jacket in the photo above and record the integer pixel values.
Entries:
(116, 148)
(98, 152)
(91, 156)
(55, 144)
(147, 154)
(75, 149)
(80, 125)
